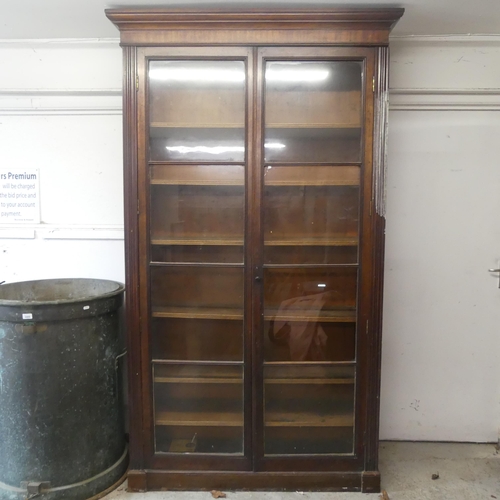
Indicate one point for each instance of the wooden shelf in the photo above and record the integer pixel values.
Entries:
(214, 125)
(323, 125)
(196, 182)
(205, 419)
(198, 241)
(302, 242)
(233, 175)
(235, 419)
(323, 316)
(302, 419)
(312, 242)
(274, 125)
(225, 182)
(312, 182)
(312, 381)
(197, 175)
(197, 313)
(276, 381)
(197, 380)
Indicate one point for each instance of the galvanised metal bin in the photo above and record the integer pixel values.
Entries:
(61, 413)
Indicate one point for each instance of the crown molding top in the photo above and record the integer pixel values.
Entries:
(133, 23)
(157, 18)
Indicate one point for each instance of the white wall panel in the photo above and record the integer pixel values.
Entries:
(441, 378)
(80, 163)
(467, 62)
(40, 258)
(68, 65)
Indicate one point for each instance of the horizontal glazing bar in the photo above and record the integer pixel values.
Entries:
(310, 363)
(309, 266)
(194, 264)
(193, 362)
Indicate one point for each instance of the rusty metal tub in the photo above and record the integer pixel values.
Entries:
(61, 415)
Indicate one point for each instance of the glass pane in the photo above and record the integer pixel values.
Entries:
(198, 408)
(313, 111)
(197, 110)
(309, 409)
(309, 314)
(192, 218)
(311, 215)
(197, 292)
(197, 339)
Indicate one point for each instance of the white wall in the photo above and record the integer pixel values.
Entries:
(60, 111)
(440, 375)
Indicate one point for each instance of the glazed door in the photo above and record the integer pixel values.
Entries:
(195, 167)
(255, 284)
(313, 173)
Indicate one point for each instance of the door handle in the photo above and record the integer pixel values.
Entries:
(495, 271)
(258, 275)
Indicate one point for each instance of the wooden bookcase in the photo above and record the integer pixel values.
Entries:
(254, 201)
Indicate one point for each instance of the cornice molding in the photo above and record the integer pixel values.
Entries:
(446, 39)
(60, 102)
(54, 42)
(485, 99)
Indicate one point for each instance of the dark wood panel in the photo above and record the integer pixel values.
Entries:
(328, 480)
(132, 302)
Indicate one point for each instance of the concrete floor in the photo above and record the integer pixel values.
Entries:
(466, 472)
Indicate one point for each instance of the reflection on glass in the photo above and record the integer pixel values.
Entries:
(308, 409)
(287, 339)
(198, 408)
(197, 110)
(313, 110)
(200, 74)
(310, 314)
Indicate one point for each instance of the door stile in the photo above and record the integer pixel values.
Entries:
(257, 264)
(143, 225)
(251, 200)
(132, 311)
(364, 347)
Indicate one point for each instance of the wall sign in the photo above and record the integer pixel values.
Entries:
(19, 196)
